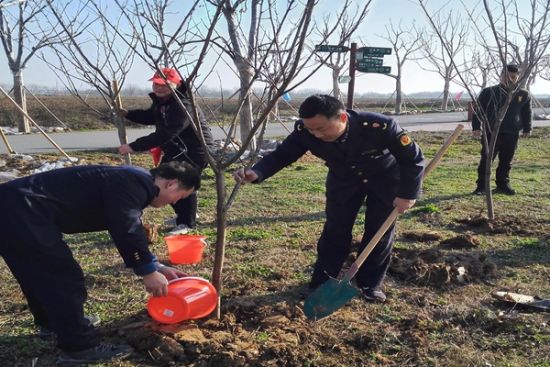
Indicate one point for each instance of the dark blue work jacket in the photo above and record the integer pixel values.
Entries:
(374, 151)
(88, 199)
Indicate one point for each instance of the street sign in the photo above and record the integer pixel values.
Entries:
(369, 62)
(365, 52)
(375, 69)
(344, 79)
(331, 48)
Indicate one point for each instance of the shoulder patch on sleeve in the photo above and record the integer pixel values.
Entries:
(404, 138)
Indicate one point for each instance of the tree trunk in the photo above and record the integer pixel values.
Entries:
(335, 85)
(245, 115)
(20, 97)
(445, 102)
(221, 228)
(398, 95)
(490, 148)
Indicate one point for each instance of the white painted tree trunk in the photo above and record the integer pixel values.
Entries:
(20, 97)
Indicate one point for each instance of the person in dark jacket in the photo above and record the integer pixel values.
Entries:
(174, 134)
(37, 210)
(517, 118)
(368, 156)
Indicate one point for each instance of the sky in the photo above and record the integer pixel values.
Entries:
(415, 79)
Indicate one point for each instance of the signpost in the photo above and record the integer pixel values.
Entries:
(331, 48)
(365, 60)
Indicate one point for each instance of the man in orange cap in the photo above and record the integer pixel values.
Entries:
(173, 134)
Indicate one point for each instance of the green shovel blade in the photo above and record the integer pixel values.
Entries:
(328, 297)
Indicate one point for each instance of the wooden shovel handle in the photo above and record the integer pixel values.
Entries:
(393, 215)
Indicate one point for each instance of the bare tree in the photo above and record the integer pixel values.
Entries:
(528, 33)
(441, 48)
(272, 60)
(478, 68)
(264, 22)
(405, 42)
(496, 26)
(105, 69)
(21, 40)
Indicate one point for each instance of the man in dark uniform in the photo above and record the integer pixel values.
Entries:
(518, 117)
(38, 209)
(368, 156)
(174, 134)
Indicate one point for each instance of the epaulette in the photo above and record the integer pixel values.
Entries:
(372, 124)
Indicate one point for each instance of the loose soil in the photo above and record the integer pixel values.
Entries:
(440, 310)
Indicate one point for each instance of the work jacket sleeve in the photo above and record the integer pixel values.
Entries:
(142, 117)
(124, 205)
(410, 160)
(480, 110)
(288, 152)
(527, 115)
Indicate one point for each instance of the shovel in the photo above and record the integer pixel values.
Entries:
(334, 293)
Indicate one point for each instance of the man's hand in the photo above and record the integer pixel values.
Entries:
(125, 148)
(476, 134)
(156, 283)
(243, 176)
(526, 134)
(403, 205)
(171, 273)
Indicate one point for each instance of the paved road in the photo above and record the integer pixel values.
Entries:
(102, 139)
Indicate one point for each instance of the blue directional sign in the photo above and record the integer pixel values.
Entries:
(331, 48)
(373, 51)
(375, 69)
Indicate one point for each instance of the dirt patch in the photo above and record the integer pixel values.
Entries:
(435, 268)
(463, 241)
(505, 225)
(249, 333)
(422, 236)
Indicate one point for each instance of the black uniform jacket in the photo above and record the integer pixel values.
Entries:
(93, 198)
(518, 115)
(174, 133)
(374, 151)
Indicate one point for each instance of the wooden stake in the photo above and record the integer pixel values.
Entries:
(36, 125)
(6, 142)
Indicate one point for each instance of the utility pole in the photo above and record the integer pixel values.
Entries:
(351, 85)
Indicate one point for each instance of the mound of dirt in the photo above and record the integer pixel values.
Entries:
(249, 333)
(422, 236)
(437, 269)
(505, 225)
(462, 241)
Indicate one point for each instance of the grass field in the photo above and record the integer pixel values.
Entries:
(431, 318)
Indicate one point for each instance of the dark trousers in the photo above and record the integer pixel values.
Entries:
(505, 148)
(43, 265)
(186, 209)
(344, 199)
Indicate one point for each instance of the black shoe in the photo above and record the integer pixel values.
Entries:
(373, 295)
(45, 333)
(100, 353)
(478, 191)
(505, 189)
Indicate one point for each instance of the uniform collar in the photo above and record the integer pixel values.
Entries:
(344, 137)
